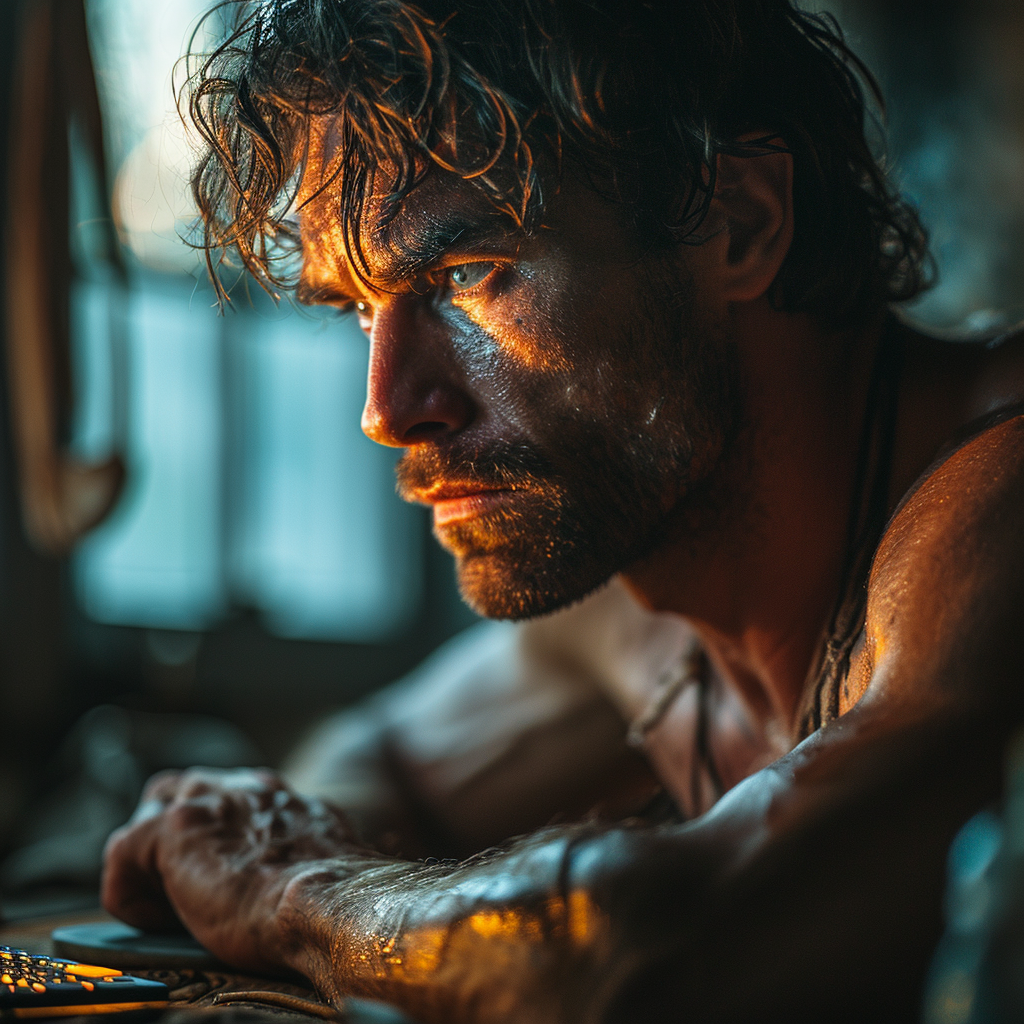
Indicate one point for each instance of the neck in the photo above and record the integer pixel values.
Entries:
(758, 585)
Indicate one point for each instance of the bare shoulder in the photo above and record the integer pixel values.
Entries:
(976, 482)
(946, 593)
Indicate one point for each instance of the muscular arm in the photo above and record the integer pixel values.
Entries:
(501, 731)
(812, 889)
(801, 893)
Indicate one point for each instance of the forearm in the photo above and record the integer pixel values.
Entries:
(813, 887)
(504, 938)
(807, 897)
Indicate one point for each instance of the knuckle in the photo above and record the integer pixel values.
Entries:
(189, 814)
(147, 809)
(195, 783)
(286, 800)
(128, 842)
(162, 785)
(268, 778)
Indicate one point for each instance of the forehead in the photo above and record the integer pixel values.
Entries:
(397, 239)
(445, 219)
(440, 207)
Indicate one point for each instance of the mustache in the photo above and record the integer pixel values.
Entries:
(502, 464)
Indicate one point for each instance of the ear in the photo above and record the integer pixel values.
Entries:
(753, 209)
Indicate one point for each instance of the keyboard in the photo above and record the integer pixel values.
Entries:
(46, 986)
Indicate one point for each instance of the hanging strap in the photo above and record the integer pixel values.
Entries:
(868, 515)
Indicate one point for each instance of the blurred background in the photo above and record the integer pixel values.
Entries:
(252, 569)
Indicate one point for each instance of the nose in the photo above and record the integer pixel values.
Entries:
(414, 390)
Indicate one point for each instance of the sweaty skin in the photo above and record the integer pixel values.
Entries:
(811, 890)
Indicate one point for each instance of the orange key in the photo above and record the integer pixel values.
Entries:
(91, 971)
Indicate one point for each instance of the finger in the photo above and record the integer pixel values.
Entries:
(216, 811)
(147, 809)
(288, 800)
(225, 812)
(265, 784)
(162, 786)
(131, 887)
(199, 781)
(269, 778)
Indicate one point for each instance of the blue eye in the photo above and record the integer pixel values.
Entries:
(465, 275)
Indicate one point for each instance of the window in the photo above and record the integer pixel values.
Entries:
(250, 484)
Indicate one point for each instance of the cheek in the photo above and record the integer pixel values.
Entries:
(479, 354)
(525, 322)
(552, 358)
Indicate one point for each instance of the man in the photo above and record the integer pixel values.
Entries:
(624, 270)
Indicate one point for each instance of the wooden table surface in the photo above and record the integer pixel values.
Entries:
(34, 934)
(233, 997)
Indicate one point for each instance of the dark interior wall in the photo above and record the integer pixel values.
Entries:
(33, 678)
(953, 76)
(272, 687)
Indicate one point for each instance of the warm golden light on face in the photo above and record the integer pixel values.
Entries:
(496, 319)
(557, 391)
(505, 321)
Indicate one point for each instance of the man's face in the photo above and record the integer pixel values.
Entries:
(560, 396)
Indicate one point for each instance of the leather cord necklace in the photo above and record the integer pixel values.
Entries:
(692, 668)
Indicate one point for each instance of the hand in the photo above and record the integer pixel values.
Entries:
(214, 850)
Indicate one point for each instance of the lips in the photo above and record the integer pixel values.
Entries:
(454, 503)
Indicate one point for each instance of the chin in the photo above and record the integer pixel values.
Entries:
(510, 588)
(536, 557)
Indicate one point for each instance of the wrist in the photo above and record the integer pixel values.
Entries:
(310, 927)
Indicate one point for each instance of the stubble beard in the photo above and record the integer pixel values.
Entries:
(606, 493)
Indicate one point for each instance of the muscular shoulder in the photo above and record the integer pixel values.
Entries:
(946, 593)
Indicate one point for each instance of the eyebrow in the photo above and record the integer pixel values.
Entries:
(411, 250)
(405, 251)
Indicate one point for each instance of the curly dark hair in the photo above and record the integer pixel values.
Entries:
(643, 94)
